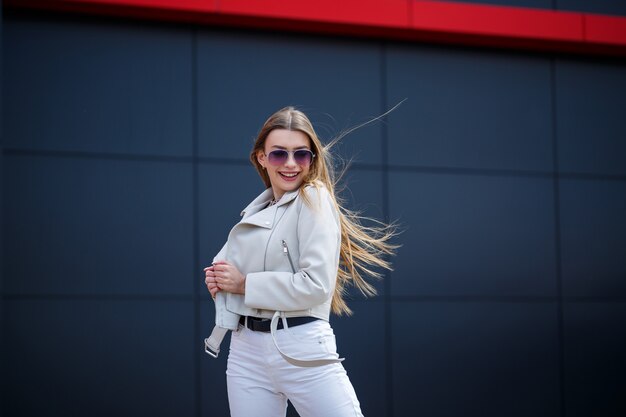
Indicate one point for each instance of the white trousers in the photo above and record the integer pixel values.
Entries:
(260, 380)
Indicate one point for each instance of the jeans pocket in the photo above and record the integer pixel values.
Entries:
(309, 341)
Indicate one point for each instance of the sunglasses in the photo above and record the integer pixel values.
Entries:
(301, 156)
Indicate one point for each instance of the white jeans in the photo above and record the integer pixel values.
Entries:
(260, 381)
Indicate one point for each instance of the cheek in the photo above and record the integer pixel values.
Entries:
(273, 174)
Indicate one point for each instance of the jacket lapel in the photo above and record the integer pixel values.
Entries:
(255, 214)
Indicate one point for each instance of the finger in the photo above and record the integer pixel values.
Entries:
(223, 285)
(221, 274)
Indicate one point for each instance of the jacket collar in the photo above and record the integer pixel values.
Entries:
(257, 213)
(261, 201)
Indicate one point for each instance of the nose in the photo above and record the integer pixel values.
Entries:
(291, 160)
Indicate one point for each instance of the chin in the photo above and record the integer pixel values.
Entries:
(293, 187)
(287, 188)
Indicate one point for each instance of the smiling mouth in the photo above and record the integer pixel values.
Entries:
(289, 176)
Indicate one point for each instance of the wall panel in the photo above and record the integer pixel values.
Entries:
(469, 109)
(615, 7)
(595, 364)
(98, 357)
(593, 234)
(97, 87)
(473, 235)
(95, 226)
(591, 133)
(475, 359)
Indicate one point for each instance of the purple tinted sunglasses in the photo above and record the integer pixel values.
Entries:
(278, 157)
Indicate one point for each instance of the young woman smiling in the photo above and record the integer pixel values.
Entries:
(283, 270)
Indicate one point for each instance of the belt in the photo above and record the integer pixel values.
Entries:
(263, 325)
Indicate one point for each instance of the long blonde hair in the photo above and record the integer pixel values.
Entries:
(363, 248)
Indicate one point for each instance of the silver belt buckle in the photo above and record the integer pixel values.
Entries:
(208, 350)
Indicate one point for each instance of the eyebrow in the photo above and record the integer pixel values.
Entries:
(282, 147)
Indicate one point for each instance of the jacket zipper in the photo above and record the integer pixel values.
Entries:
(286, 251)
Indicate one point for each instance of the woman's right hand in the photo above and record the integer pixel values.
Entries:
(209, 280)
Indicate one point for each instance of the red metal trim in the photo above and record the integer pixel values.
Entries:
(414, 20)
(605, 29)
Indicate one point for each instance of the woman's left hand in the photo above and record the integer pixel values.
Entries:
(229, 278)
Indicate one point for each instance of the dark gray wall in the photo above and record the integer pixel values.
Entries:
(615, 7)
(611, 7)
(125, 165)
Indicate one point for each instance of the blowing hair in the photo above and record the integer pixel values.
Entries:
(364, 248)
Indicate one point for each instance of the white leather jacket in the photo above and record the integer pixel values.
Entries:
(289, 254)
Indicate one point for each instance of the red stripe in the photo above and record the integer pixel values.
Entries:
(497, 21)
(605, 29)
(432, 21)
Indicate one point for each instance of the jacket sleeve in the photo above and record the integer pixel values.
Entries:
(313, 282)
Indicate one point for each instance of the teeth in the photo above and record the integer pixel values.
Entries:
(289, 175)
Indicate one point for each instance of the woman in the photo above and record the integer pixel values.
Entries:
(283, 270)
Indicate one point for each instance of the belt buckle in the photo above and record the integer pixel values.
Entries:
(208, 350)
(256, 324)
(250, 323)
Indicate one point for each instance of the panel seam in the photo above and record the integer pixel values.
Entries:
(557, 241)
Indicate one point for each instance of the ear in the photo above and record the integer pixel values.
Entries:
(260, 157)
